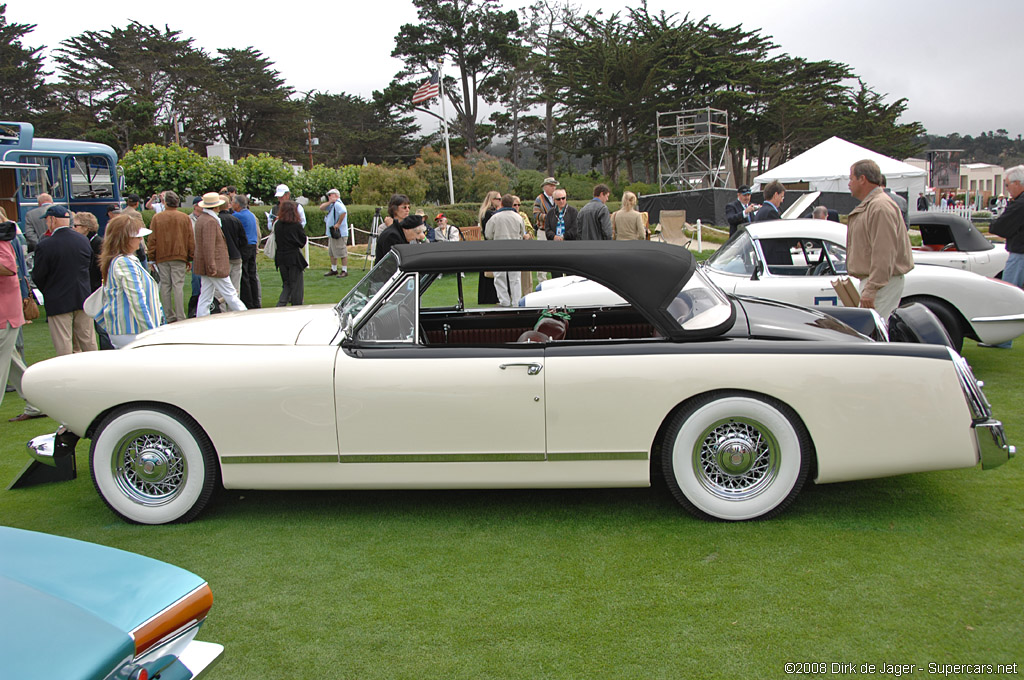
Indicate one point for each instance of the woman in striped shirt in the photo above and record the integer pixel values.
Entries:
(131, 298)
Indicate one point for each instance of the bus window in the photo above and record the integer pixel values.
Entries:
(35, 182)
(91, 177)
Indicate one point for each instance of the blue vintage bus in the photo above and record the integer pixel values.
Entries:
(80, 175)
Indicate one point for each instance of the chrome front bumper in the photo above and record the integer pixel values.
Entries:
(992, 444)
(41, 448)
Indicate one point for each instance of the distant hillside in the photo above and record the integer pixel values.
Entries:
(988, 147)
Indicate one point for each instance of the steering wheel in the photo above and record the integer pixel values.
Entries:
(824, 266)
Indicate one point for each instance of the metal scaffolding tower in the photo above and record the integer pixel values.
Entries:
(692, 148)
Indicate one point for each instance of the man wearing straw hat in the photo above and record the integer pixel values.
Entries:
(211, 259)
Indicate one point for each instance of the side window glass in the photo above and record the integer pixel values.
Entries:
(837, 254)
(395, 320)
(37, 181)
(55, 169)
(91, 177)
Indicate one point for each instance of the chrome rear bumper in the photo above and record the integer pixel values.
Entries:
(992, 446)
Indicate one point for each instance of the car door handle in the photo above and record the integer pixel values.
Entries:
(531, 368)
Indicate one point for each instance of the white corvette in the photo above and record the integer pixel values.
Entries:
(805, 256)
(951, 241)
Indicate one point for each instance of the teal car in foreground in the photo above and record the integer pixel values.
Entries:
(81, 611)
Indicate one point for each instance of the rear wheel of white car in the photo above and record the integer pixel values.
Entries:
(153, 465)
(736, 456)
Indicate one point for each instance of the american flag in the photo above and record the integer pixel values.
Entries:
(428, 90)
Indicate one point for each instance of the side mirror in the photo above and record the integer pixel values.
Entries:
(758, 271)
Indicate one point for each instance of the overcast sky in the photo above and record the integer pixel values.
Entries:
(950, 60)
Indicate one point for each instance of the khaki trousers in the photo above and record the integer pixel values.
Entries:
(172, 286)
(71, 332)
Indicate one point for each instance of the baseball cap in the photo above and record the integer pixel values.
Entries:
(333, 191)
(144, 232)
(56, 210)
(439, 216)
(281, 190)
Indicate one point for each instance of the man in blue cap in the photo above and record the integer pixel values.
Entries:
(738, 212)
(61, 272)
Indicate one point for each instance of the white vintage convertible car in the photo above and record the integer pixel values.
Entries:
(949, 240)
(735, 402)
(796, 261)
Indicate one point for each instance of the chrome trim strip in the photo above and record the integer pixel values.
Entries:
(997, 319)
(976, 401)
(443, 458)
(571, 456)
(321, 458)
(598, 455)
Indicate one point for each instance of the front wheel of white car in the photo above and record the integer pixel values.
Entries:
(734, 456)
(153, 465)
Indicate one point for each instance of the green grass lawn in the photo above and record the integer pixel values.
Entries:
(918, 569)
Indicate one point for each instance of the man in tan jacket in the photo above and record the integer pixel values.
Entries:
(211, 259)
(877, 245)
(171, 248)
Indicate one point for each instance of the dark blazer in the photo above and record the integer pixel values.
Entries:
(96, 243)
(766, 212)
(234, 234)
(291, 239)
(572, 227)
(1010, 225)
(735, 216)
(61, 270)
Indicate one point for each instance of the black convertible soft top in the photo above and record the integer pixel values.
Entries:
(648, 275)
(933, 225)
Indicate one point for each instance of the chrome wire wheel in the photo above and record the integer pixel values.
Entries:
(149, 468)
(736, 458)
(153, 464)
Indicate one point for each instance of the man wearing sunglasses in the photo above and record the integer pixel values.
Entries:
(561, 222)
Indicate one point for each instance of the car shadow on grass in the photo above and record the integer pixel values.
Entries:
(905, 499)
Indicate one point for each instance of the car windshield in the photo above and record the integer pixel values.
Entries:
(363, 292)
(735, 257)
(700, 304)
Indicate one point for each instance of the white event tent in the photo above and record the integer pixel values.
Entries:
(826, 167)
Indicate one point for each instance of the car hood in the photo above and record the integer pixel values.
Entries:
(83, 597)
(275, 326)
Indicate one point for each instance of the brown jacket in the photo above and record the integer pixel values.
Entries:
(211, 248)
(172, 237)
(877, 244)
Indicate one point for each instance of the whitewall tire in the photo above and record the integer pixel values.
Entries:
(736, 456)
(153, 465)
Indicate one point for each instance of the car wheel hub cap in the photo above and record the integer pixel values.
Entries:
(735, 455)
(736, 458)
(149, 467)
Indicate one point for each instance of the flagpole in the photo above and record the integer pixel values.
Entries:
(444, 122)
